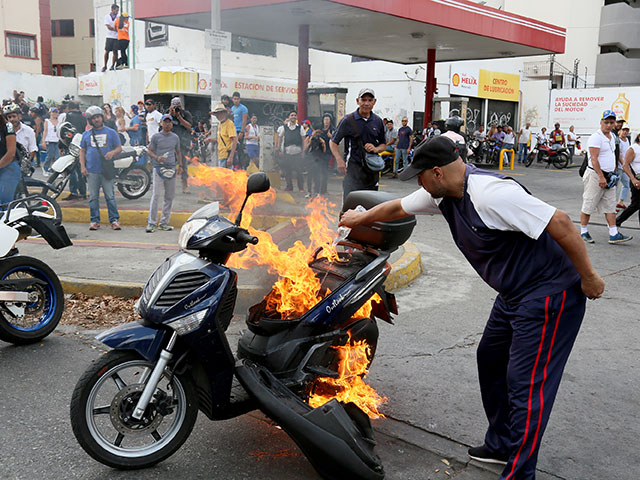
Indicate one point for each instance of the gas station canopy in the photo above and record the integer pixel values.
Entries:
(394, 30)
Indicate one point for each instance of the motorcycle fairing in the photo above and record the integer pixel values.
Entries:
(133, 336)
(337, 439)
(63, 162)
(54, 233)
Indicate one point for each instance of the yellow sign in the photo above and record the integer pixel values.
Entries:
(498, 86)
(178, 82)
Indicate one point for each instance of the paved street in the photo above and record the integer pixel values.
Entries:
(425, 365)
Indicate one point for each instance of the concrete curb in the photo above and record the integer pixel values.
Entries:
(404, 271)
(138, 218)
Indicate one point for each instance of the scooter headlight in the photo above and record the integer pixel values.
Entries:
(188, 323)
(188, 230)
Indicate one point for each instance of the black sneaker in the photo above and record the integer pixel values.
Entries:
(484, 455)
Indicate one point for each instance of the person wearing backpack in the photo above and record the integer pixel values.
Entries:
(98, 147)
(363, 132)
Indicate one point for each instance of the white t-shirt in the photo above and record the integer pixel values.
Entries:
(153, 122)
(501, 203)
(110, 21)
(290, 149)
(542, 138)
(572, 138)
(27, 138)
(52, 132)
(252, 132)
(624, 146)
(524, 136)
(635, 163)
(509, 138)
(607, 147)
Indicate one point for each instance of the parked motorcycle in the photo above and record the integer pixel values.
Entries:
(31, 297)
(28, 186)
(559, 157)
(132, 179)
(137, 404)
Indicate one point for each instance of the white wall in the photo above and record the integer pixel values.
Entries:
(33, 84)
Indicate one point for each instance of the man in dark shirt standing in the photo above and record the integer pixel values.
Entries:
(405, 141)
(182, 124)
(370, 129)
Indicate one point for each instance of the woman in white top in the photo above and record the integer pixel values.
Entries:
(623, 184)
(572, 139)
(50, 140)
(252, 140)
(542, 137)
(632, 169)
(121, 125)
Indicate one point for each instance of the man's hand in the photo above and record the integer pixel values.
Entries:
(351, 218)
(230, 162)
(593, 286)
(108, 155)
(84, 171)
(342, 167)
(602, 181)
(369, 147)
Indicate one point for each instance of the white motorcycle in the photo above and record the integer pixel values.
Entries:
(31, 296)
(133, 180)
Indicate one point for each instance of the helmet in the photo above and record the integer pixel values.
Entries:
(11, 108)
(92, 111)
(66, 132)
(453, 124)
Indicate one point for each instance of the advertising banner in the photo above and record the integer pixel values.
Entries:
(476, 82)
(90, 84)
(582, 108)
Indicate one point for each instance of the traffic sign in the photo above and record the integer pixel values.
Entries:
(217, 39)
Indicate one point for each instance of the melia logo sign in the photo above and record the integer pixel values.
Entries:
(455, 80)
(464, 82)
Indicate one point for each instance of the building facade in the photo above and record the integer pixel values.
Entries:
(25, 27)
(72, 37)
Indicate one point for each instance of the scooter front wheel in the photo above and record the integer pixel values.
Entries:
(136, 182)
(530, 158)
(103, 403)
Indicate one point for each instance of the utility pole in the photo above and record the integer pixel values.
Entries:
(215, 66)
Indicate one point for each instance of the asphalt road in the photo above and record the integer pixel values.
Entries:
(425, 365)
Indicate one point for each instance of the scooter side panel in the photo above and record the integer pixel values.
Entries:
(62, 163)
(133, 336)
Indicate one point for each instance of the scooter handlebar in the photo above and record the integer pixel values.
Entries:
(246, 238)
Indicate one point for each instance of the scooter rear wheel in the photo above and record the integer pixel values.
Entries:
(42, 313)
(140, 182)
(561, 161)
(103, 402)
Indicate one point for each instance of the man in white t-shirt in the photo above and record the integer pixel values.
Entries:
(493, 220)
(599, 181)
(153, 119)
(524, 136)
(111, 35)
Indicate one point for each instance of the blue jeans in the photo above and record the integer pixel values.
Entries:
(76, 183)
(522, 152)
(624, 181)
(222, 163)
(53, 153)
(95, 181)
(9, 178)
(401, 159)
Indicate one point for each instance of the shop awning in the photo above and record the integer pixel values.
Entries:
(393, 30)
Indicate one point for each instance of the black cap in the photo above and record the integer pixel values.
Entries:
(433, 152)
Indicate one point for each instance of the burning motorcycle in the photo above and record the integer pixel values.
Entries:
(31, 297)
(132, 179)
(558, 156)
(136, 405)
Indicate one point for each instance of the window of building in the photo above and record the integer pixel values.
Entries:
(252, 45)
(62, 28)
(92, 27)
(20, 45)
(63, 70)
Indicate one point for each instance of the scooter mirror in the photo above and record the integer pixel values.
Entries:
(258, 182)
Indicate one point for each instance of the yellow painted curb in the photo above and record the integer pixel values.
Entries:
(96, 288)
(139, 218)
(406, 269)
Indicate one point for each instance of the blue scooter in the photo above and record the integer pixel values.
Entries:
(137, 404)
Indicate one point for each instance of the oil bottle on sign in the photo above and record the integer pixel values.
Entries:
(621, 107)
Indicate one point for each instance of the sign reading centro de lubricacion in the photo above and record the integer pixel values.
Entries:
(476, 82)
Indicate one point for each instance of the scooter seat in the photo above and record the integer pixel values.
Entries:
(126, 152)
(268, 326)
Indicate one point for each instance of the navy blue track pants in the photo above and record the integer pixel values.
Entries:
(521, 357)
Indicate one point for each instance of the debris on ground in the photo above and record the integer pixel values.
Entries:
(95, 313)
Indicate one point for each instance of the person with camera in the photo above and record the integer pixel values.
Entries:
(600, 180)
(164, 150)
(182, 124)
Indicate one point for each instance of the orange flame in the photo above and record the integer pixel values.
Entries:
(353, 365)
